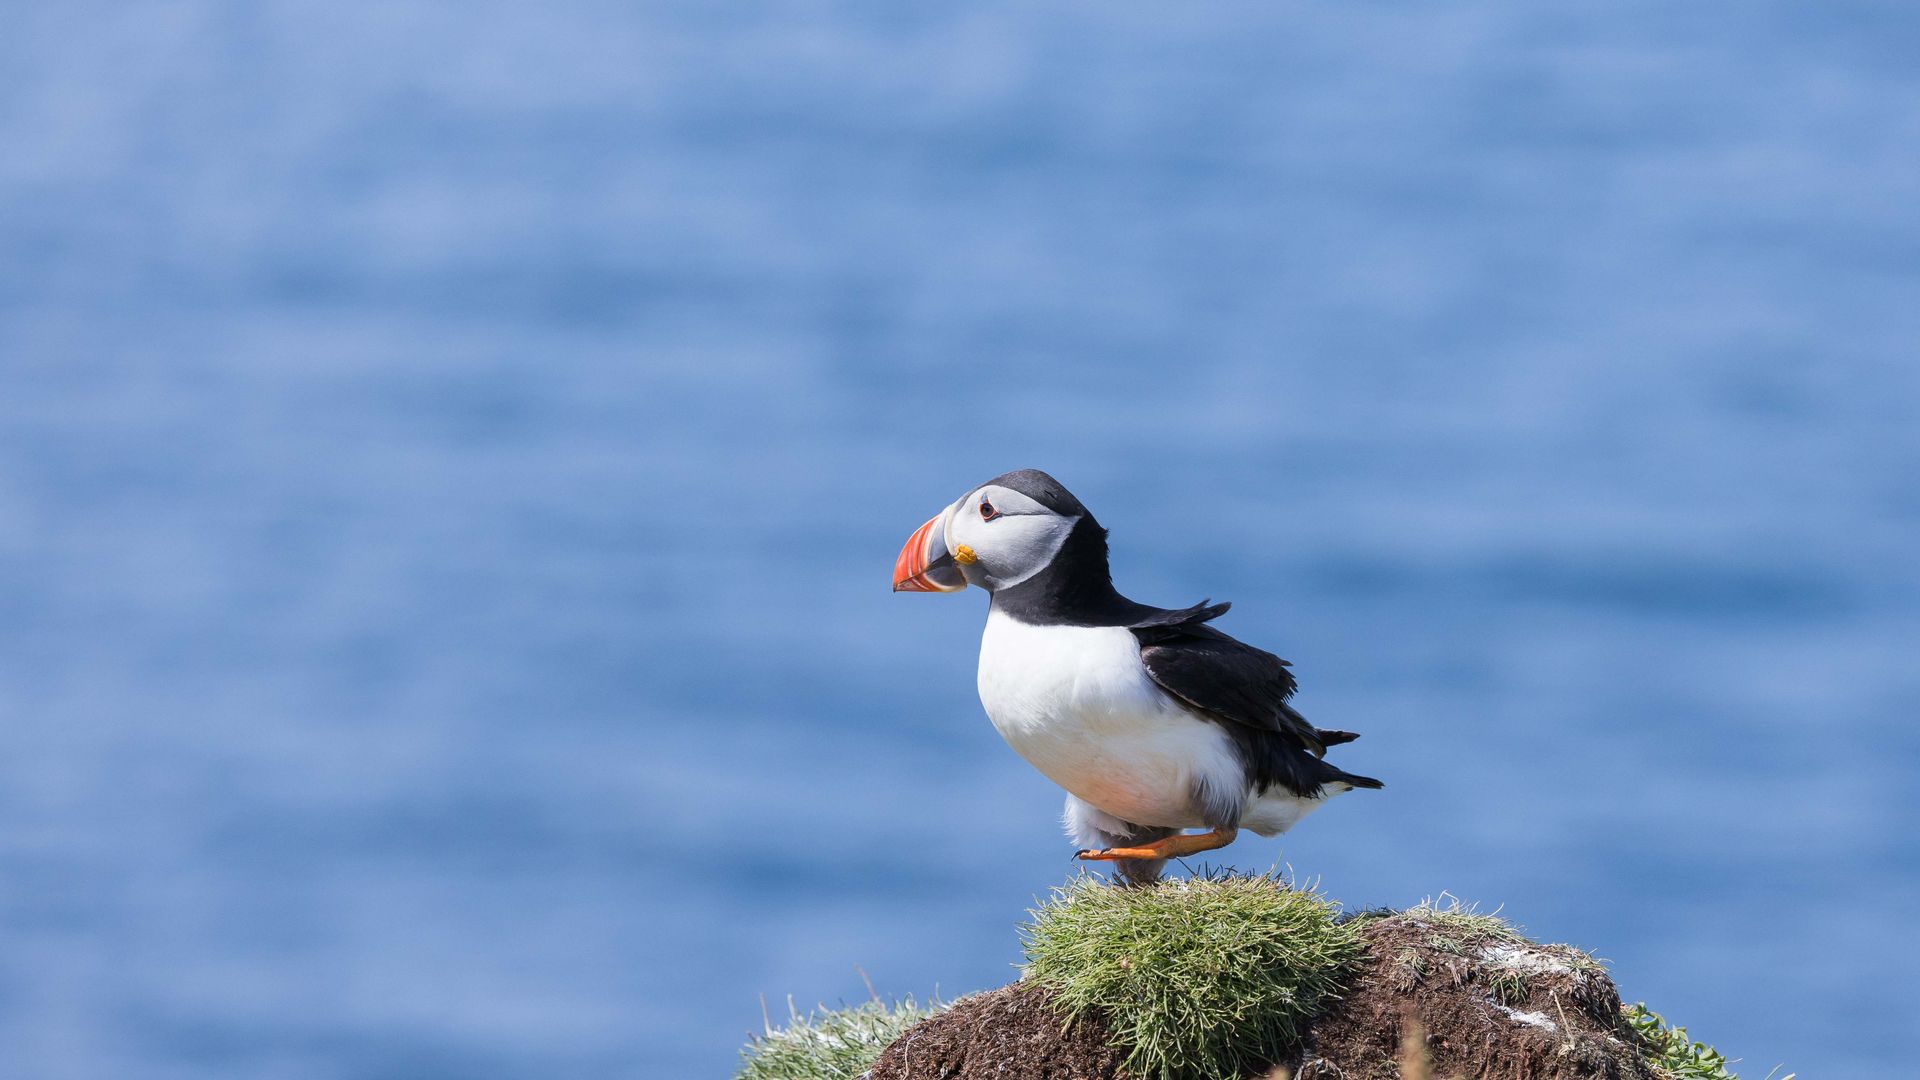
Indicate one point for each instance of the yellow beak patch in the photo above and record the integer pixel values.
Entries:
(964, 555)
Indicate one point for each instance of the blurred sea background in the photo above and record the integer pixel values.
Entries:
(452, 457)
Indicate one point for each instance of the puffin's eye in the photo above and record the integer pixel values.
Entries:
(987, 512)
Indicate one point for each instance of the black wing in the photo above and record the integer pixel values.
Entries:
(1223, 678)
(1245, 690)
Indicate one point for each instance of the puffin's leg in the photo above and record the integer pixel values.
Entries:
(1171, 847)
(1091, 827)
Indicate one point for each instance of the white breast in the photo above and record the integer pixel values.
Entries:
(1077, 704)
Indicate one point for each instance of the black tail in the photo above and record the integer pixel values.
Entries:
(1325, 736)
(1359, 781)
(1325, 772)
(1335, 738)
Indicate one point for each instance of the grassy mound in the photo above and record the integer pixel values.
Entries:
(829, 1044)
(1202, 979)
(1225, 978)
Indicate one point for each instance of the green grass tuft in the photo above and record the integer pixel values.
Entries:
(1672, 1053)
(1198, 979)
(829, 1044)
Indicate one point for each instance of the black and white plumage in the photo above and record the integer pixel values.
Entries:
(1153, 720)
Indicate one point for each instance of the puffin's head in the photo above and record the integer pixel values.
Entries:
(996, 536)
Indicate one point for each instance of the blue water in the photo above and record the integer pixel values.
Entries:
(452, 456)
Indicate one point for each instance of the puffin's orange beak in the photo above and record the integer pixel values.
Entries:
(924, 564)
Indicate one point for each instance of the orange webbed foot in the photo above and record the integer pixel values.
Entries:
(1171, 848)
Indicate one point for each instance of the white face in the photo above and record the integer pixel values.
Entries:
(1010, 536)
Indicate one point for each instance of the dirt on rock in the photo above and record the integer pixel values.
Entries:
(1487, 1004)
(1491, 1006)
(1013, 1033)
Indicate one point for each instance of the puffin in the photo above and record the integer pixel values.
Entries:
(1154, 721)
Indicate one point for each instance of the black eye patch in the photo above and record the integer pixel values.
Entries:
(987, 512)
